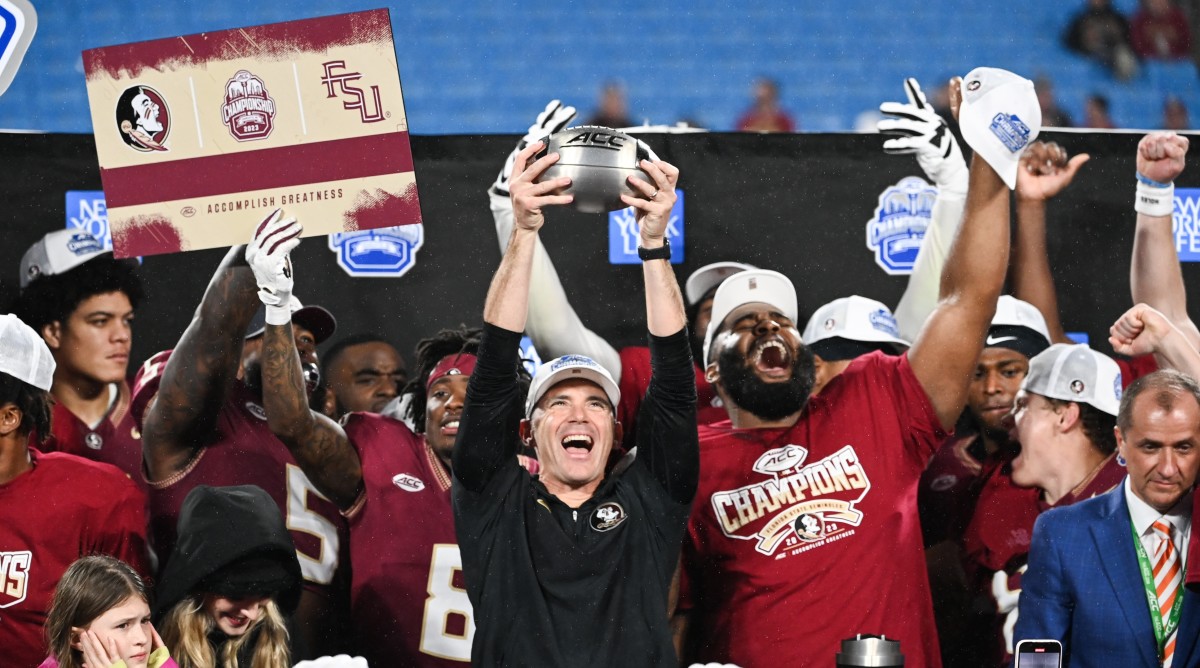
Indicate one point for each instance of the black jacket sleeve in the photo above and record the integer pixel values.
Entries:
(667, 442)
(487, 432)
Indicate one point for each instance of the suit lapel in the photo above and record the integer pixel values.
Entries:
(1114, 539)
(1189, 629)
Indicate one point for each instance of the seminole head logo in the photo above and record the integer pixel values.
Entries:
(249, 111)
(143, 119)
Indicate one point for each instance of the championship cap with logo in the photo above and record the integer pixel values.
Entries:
(1018, 326)
(756, 285)
(316, 319)
(710, 276)
(568, 367)
(999, 117)
(24, 354)
(59, 252)
(1075, 373)
(852, 320)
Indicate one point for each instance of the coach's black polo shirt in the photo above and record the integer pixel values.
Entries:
(557, 586)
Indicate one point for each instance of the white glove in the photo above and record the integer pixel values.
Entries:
(339, 661)
(267, 255)
(553, 118)
(925, 134)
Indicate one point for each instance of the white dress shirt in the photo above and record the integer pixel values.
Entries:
(1144, 516)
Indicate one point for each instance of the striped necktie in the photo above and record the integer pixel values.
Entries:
(1168, 579)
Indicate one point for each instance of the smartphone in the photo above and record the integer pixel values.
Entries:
(1039, 654)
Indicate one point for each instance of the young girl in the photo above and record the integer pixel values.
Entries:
(230, 581)
(100, 618)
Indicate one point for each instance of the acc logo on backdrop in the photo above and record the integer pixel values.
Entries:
(18, 23)
(1185, 223)
(529, 355)
(623, 234)
(143, 119)
(901, 218)
(387, 252)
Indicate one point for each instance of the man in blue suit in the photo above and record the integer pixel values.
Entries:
(1085, 585)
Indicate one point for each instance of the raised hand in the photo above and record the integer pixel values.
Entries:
(1045, 171)
(1161, 156)
(528, 196)
(654, 207)
(553, 118)
(924, 133)
(267, 255)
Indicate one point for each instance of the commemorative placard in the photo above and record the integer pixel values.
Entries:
(200, 137)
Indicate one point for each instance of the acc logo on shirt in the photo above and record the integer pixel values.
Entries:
(408, 483)
(607, 516)
(386, 252)
(14, 577)
(896, 231)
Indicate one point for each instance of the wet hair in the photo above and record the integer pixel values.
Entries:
(1097, 425)
(33, 402)
(54, 298)
(432, 350)
(89, 588)
(1168, 386)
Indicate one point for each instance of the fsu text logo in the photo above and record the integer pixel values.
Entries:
(143, 118)
(248, 111)
(339, 84)
(14, 577)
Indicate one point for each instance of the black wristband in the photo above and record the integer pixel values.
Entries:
(661, 253)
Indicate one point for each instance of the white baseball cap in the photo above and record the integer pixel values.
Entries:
(710, 276)
(999, 117)
(24, 354)
(1075, 373)
(567, 367)
(59, 252)
(756, 285)
(1018, 325)
(854, 318)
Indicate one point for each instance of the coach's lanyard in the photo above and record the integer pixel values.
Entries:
(1160, 633)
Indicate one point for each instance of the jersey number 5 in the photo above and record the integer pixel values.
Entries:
(449, 624)
(304, 519)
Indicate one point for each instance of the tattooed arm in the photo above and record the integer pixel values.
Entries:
(319, 444)
(198, 374)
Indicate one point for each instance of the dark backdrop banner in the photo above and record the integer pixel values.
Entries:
(795, 203)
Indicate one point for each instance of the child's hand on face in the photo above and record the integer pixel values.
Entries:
(97, 653)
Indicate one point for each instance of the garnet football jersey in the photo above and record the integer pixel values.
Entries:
(116, 440)
(243, 451)
(408, 601)
(800, 538)
(65, 508)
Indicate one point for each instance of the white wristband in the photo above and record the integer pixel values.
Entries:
(278, 315)
(1154, 200)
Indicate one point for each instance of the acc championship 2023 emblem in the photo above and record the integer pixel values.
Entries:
(901, 218)
(249, 111)
(143, 119)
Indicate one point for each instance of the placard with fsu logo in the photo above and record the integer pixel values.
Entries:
(200, 137)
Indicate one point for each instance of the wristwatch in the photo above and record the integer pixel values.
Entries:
(661, 253)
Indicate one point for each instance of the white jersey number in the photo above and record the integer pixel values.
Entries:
(445, 602)
(305, 520)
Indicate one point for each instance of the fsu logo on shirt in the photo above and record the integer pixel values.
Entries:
(798, 505)
(14, 577)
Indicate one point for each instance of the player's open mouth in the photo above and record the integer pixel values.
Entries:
(450, 427)
(577, 444)
(772, 359)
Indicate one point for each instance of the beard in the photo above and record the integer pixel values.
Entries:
(769, 401)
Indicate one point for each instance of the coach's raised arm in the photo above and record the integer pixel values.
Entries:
(564, 555)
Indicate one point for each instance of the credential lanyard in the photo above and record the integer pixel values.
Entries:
(1160, 633)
